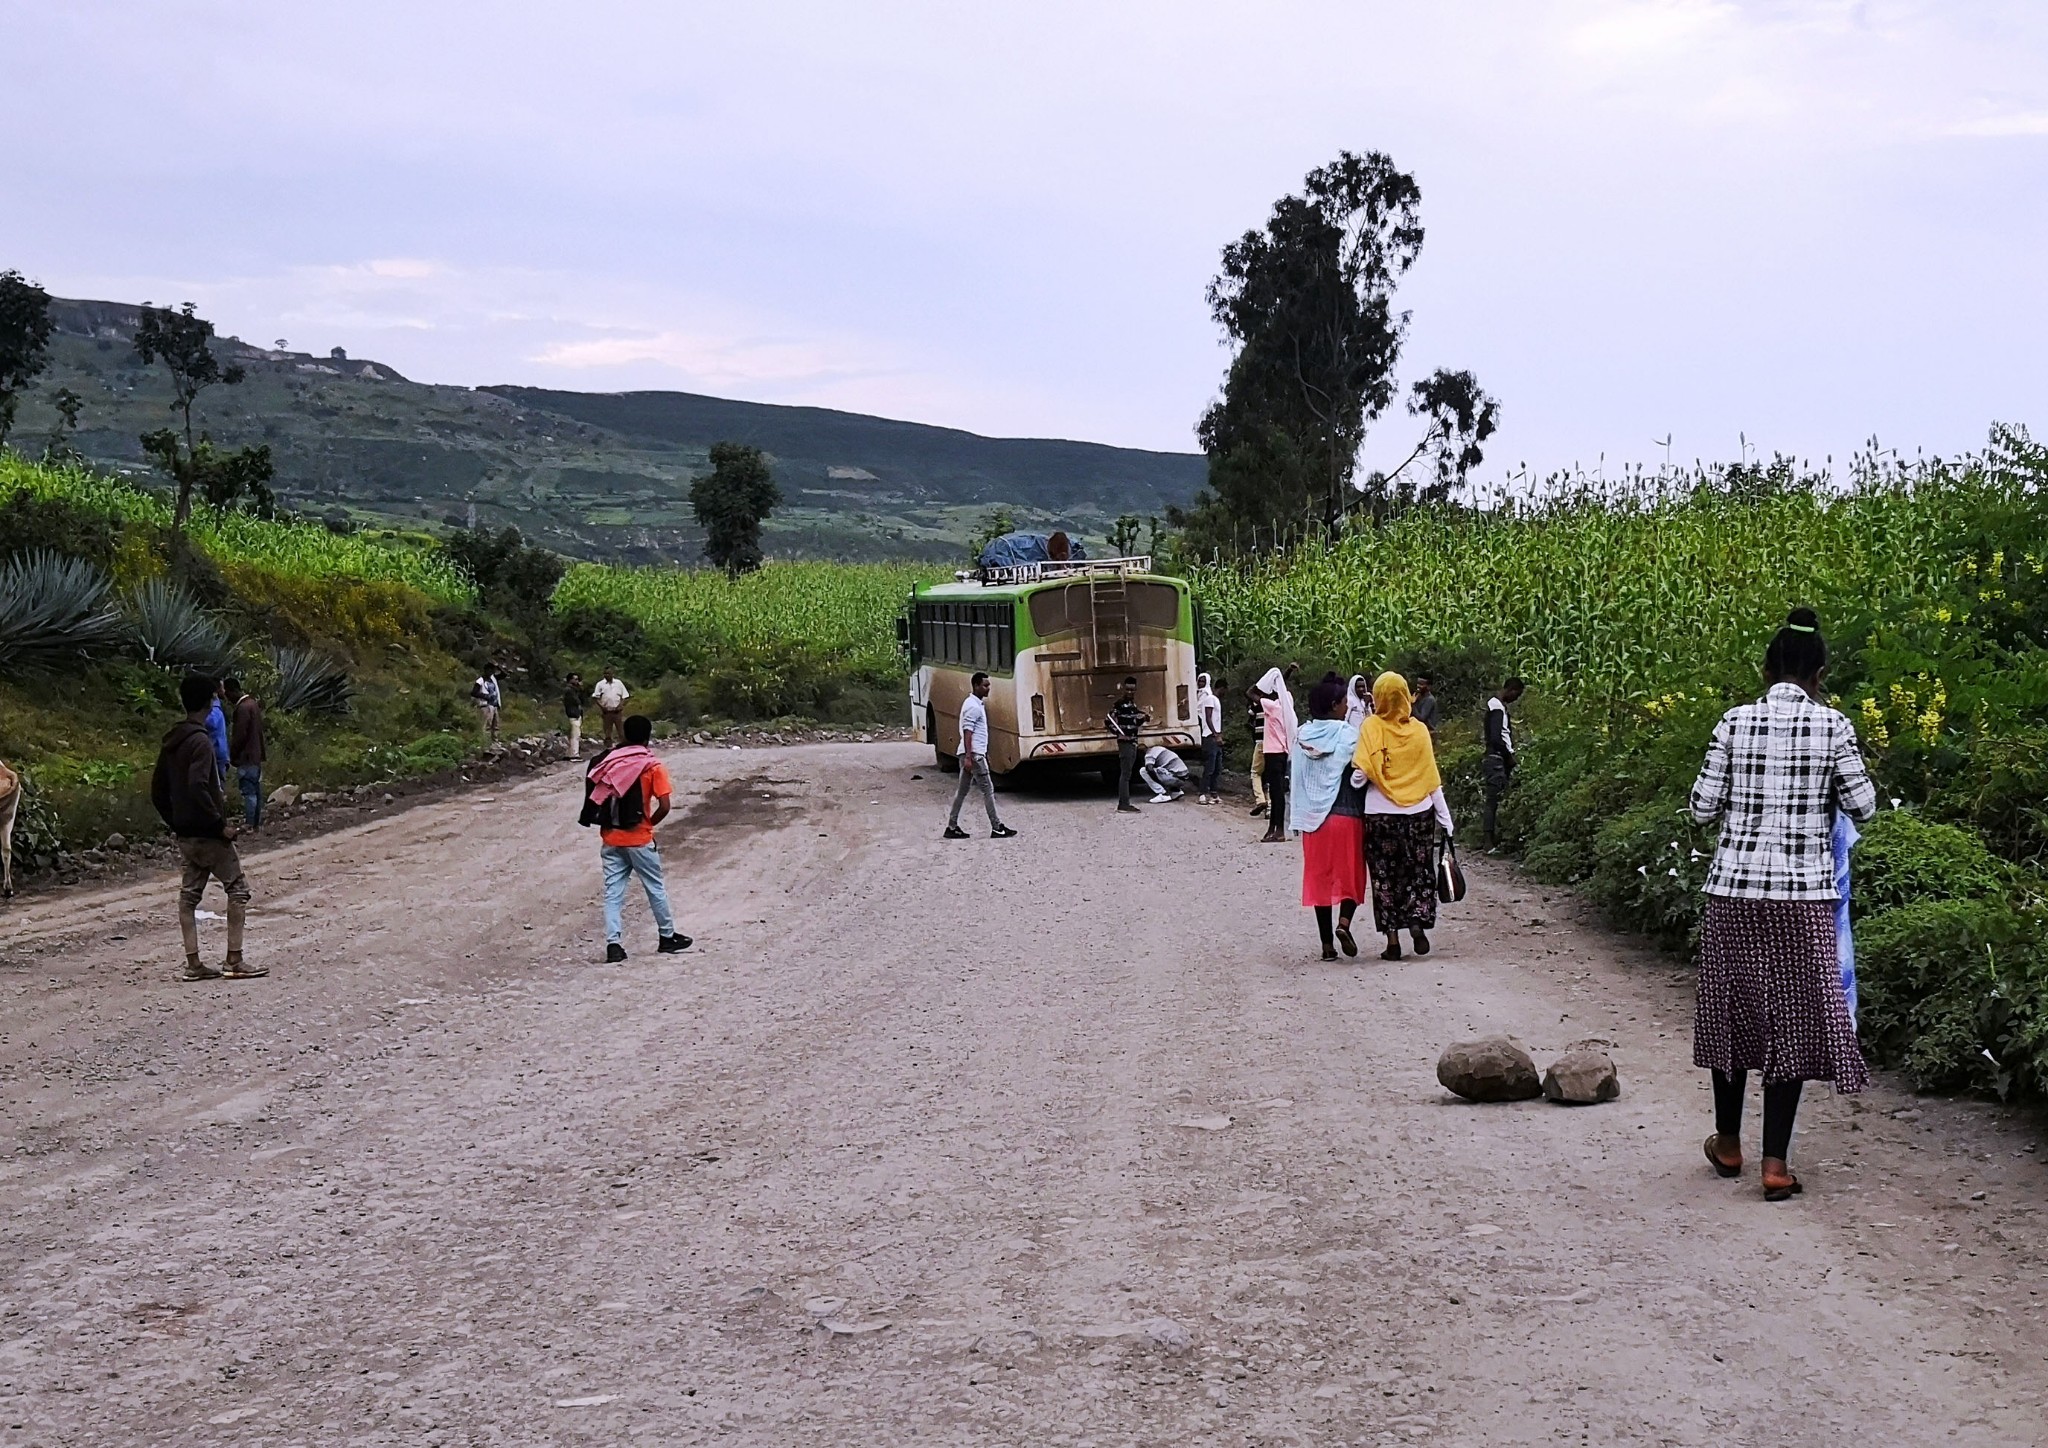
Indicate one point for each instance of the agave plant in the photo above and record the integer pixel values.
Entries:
(54, 610)
(309, 682)
(176, 633)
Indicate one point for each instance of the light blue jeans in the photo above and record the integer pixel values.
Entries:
(621, 861)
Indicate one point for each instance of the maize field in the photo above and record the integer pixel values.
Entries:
(845, 612)
(1618, 595)
(301, 549)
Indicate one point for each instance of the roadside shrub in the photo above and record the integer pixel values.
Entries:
(354, 612)
(30, 522)
(605, 635)
(176, 633)
(1904, 859)
(1955, 993)
(1648, 867)
(38, 833)
(432, 753)
(54, 611)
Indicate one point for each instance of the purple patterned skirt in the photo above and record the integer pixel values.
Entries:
(1770, 994)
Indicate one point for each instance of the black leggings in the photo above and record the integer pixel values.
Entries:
(1324, 926)
(1781, 1105)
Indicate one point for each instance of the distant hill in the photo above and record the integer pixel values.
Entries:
(597, 475)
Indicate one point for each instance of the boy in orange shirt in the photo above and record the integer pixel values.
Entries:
(628, 796)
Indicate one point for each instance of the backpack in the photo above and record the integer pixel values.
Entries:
(621, 812)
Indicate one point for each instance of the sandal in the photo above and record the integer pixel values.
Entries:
(1778, 1188)
(1346, 939)
(1721, 1167)
(233, 969)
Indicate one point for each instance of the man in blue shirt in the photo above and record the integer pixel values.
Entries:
(217, 730)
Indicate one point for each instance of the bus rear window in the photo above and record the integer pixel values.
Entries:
(1056, 611)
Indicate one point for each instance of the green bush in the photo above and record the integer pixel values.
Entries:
(1955, 993)
(1905, 860)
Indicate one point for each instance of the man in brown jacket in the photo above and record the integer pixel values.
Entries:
(186, 791)
(245, 749)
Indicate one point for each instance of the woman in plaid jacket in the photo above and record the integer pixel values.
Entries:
(1770, 991)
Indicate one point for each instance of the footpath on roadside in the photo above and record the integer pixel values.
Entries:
(1064, 1139)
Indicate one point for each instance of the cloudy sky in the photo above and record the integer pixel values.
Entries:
(1806, 222)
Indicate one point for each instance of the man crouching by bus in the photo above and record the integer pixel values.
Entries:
(626, 794)
(974, 763)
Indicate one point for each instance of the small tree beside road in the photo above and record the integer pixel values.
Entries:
(731, 502)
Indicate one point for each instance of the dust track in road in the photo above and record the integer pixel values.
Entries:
(442, 1178)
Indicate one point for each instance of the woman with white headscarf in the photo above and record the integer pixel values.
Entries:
(1276, 703)
(1357, 701)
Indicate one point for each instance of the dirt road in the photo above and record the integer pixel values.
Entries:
(927, 1143)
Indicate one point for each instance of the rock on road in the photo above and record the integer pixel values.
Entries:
(1067, 1139)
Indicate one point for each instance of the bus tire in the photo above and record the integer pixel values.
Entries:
(948, 763)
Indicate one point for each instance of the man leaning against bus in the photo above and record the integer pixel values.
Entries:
(974, 763)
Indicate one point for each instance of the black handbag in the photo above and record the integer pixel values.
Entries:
(1450, 876)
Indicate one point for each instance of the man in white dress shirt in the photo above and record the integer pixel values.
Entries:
(974, 763)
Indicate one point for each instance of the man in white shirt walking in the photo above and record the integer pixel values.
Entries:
(974, 763)
(611, 696)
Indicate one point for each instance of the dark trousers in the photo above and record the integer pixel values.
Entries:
(1126, 766)
(1494, 771)
(1276, 792)
(1781, 1107)
(1212, 763)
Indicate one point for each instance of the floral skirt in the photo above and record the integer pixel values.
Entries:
(1770, 994)
(1400, 854)
(1333, 862)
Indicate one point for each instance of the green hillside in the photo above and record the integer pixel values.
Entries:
(593, 475)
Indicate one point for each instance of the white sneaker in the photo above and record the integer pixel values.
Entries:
(1162, 798)
(1178, 794)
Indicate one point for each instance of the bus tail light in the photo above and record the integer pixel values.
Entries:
(1180, 697)
(1038, 713)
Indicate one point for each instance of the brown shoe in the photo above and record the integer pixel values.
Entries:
(195, 969)
(1779, 1183)
(233, 969)
(1725, 1166)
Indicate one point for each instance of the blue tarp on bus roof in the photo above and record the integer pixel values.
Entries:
(1013, 549)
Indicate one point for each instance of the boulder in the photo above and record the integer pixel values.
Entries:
(1583, 1076)
(1492, 1068)
(284, 796)
(116, 841)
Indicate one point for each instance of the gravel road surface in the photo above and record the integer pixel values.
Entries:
(1067, 1139)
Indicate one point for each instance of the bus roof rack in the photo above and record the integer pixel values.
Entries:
(1057, 568)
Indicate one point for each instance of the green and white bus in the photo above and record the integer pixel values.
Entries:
(1056, 640)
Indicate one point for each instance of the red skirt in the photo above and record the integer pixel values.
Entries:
(1333, 862)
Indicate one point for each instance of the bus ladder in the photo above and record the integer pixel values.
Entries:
(1110, 591)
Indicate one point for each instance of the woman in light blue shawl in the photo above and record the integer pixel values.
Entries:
(1324, 808)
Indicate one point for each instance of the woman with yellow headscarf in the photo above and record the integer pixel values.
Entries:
(1404, 802)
